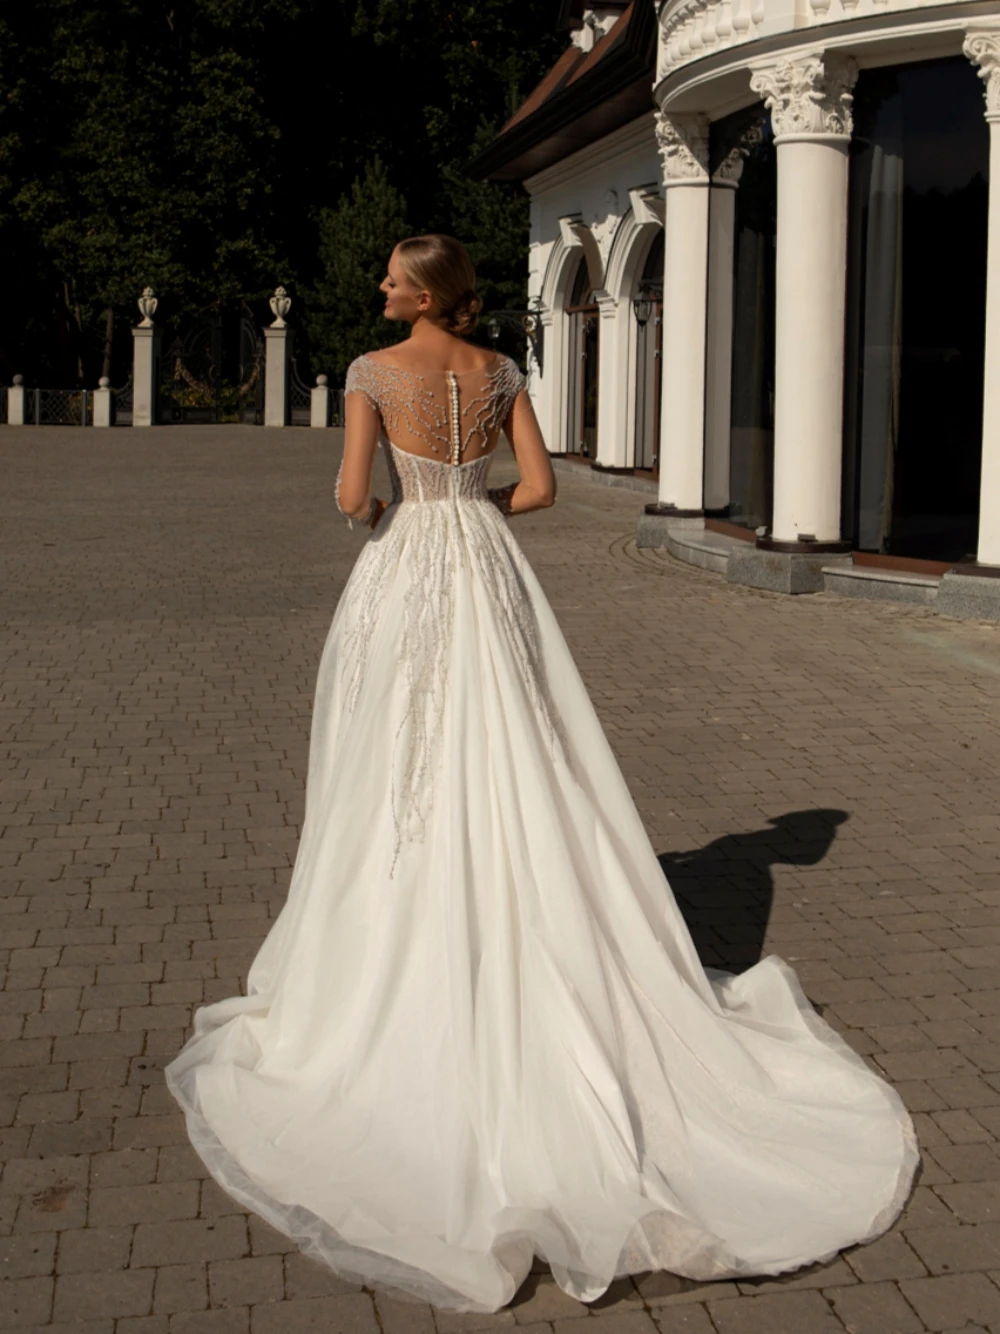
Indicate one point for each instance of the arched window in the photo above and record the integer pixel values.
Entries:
(581, 417)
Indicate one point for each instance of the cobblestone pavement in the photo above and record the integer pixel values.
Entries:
(821, 777)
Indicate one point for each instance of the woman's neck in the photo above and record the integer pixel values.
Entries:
(428, 333)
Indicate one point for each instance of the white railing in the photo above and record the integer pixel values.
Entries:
(693, 29)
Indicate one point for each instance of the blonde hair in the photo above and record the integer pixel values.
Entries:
(442, 266)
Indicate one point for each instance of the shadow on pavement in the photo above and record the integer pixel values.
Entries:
(725, 890)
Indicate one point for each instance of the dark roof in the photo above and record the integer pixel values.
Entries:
(584, 96)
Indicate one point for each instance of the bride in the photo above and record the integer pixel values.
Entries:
(478, 1031)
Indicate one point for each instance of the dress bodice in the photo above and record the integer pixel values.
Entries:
(439, 429)
(414, 477)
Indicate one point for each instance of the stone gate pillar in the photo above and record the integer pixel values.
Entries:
(278, 347)
(145, 362)
(15, 402)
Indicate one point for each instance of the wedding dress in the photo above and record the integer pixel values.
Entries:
(478, 1031)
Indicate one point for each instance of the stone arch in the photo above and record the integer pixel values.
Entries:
(565, 257)
(633, 238)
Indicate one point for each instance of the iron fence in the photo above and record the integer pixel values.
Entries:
(59, 407)
(299, 397)
(122, 404)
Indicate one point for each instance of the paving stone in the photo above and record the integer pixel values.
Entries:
(887, 1258)
(26, 1256)
(401, 1317)
(25, 1301)
(94, 1249)
(189, 1241)
(87, 1295)
(776, 1313)
(246, 1282)
(951, 1300)
(232, 1321)
(305, 1277)
(181, 1288)
(683, 1320)
(351, 1314)
(874, 1308)
(144, 1204)
(957, 1249)
(973, 1202)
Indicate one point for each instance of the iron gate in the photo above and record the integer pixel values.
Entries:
(214, 372)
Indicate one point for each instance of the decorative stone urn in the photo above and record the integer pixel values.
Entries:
(281, 304)
(147, 304)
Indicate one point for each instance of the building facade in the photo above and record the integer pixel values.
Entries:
(767, 271)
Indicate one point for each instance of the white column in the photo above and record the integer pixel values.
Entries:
(683, 144)
(15, 402)
(982, 46)
(102, 402)
(810, 102)
(612, 381)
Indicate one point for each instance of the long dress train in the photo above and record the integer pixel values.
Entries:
(478, 1031)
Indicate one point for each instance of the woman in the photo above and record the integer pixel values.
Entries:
(479, 1031)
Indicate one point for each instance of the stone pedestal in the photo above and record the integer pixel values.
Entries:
(277, 342)
(15, 402)
(145, 364)
(319, 403)
(810, 102)
(780, 571)
(971, 591)
(683, 144)
(102, 402)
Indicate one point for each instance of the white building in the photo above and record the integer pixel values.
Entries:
(759, 252)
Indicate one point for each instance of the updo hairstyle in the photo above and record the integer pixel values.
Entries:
(441, 265)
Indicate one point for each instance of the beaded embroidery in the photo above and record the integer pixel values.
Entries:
(441, 518)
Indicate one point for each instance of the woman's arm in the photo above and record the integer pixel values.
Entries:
(352, 492)
(537, 486)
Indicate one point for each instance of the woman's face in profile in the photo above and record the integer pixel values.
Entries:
(403, 301)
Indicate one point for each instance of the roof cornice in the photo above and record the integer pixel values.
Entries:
(617, 89)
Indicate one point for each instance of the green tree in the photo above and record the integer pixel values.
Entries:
(355, 241)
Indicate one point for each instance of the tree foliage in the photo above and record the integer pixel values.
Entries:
(214, 148)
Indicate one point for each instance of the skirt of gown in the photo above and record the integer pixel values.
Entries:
(478, 1030)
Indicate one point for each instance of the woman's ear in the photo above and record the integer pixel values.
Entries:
(424, 300)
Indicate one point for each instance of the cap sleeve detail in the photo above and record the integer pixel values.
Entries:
(362, 378)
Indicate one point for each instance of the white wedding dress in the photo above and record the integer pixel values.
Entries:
(478, 1030)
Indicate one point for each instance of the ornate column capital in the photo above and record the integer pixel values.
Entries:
(682, 139)
(808, 96)
(982, 47)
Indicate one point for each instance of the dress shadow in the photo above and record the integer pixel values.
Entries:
(725, 890)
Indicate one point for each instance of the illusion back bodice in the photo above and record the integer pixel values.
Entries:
(439, 428)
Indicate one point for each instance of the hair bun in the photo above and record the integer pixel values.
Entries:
(464, 314)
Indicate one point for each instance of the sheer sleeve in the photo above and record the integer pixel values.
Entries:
(362, 378)
(363, 423)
